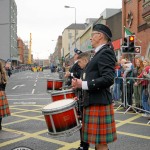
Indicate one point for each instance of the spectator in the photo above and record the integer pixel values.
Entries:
(137, 88)
(144, 83)
(117, 82)
(128, 72)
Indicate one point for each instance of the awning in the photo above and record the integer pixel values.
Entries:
(117, 44)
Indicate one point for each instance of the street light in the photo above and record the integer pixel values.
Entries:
(75, 22)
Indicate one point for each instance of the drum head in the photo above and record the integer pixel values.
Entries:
(62, 92)
(59, 105)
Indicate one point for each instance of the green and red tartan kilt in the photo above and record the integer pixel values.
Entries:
(4, 107)
(98, 125)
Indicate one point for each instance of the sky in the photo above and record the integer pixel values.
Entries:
(47, 19)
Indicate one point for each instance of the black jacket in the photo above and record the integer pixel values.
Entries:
(99, 75)
(76, 70)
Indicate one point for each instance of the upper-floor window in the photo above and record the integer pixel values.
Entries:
(145, 1)
(69, 35)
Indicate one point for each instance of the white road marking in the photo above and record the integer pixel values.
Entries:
(29, 77)
(17, 86)
(33, 91)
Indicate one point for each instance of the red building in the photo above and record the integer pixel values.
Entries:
(136, 17)
(20, 50)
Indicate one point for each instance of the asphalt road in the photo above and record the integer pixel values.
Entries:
(26, 127)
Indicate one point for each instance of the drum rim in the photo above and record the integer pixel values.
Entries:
(66, 133)
(54, 80)
(70, 105)
(60, 92)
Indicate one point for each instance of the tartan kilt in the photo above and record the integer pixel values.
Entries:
(98, 124)
(4, 107)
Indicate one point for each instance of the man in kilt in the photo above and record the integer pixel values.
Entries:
(4, 107)
(98, 124)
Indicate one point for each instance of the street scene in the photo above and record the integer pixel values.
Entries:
(26, 127)
(74, 75)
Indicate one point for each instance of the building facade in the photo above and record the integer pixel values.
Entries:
(68, 39)
(136, 17)
(8, 31)
(21, 48)
(57, 53)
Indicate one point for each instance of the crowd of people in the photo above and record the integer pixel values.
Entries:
(135, 75)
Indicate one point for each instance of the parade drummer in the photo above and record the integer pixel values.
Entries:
(98, 124)
(83, 60)
(75, 70)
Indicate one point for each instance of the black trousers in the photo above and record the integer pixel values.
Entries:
(0, 121)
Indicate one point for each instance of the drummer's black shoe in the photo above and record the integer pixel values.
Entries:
(83, 146)
(0, 127)
(79, 148)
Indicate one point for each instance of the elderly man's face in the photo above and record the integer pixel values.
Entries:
(95, 38)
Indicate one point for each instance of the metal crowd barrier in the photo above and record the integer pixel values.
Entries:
(127, 95)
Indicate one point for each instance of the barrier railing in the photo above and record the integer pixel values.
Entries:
(135, 94)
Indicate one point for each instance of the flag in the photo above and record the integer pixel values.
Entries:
(127, 32)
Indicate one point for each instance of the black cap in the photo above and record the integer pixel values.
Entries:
(77, 51)
(104, 29)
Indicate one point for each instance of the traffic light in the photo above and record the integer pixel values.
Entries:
(129, 46)
(131, 43)
(125, 42)
(125, 46)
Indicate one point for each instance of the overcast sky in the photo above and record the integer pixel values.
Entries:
(46, 19)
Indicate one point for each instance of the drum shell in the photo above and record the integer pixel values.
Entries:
(61, 120)
(60, 95)
(53, 84)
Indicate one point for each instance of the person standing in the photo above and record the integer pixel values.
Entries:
(83, 60)
(75, 70)
(145, 94)
(137, 88)
(98, 116)
(4, 107)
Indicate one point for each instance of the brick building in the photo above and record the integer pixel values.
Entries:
(21, 47)
(136, 17)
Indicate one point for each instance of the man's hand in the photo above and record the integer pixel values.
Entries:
(67, 74)
(76, 83)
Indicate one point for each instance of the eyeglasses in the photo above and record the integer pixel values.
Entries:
(92, 34)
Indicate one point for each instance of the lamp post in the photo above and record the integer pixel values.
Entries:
(75, 23)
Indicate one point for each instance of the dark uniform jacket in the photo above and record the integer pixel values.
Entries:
(76, 70)
(99, 75)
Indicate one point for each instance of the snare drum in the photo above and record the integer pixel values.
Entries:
(65, 94)
(61, 118)
(54, 84)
